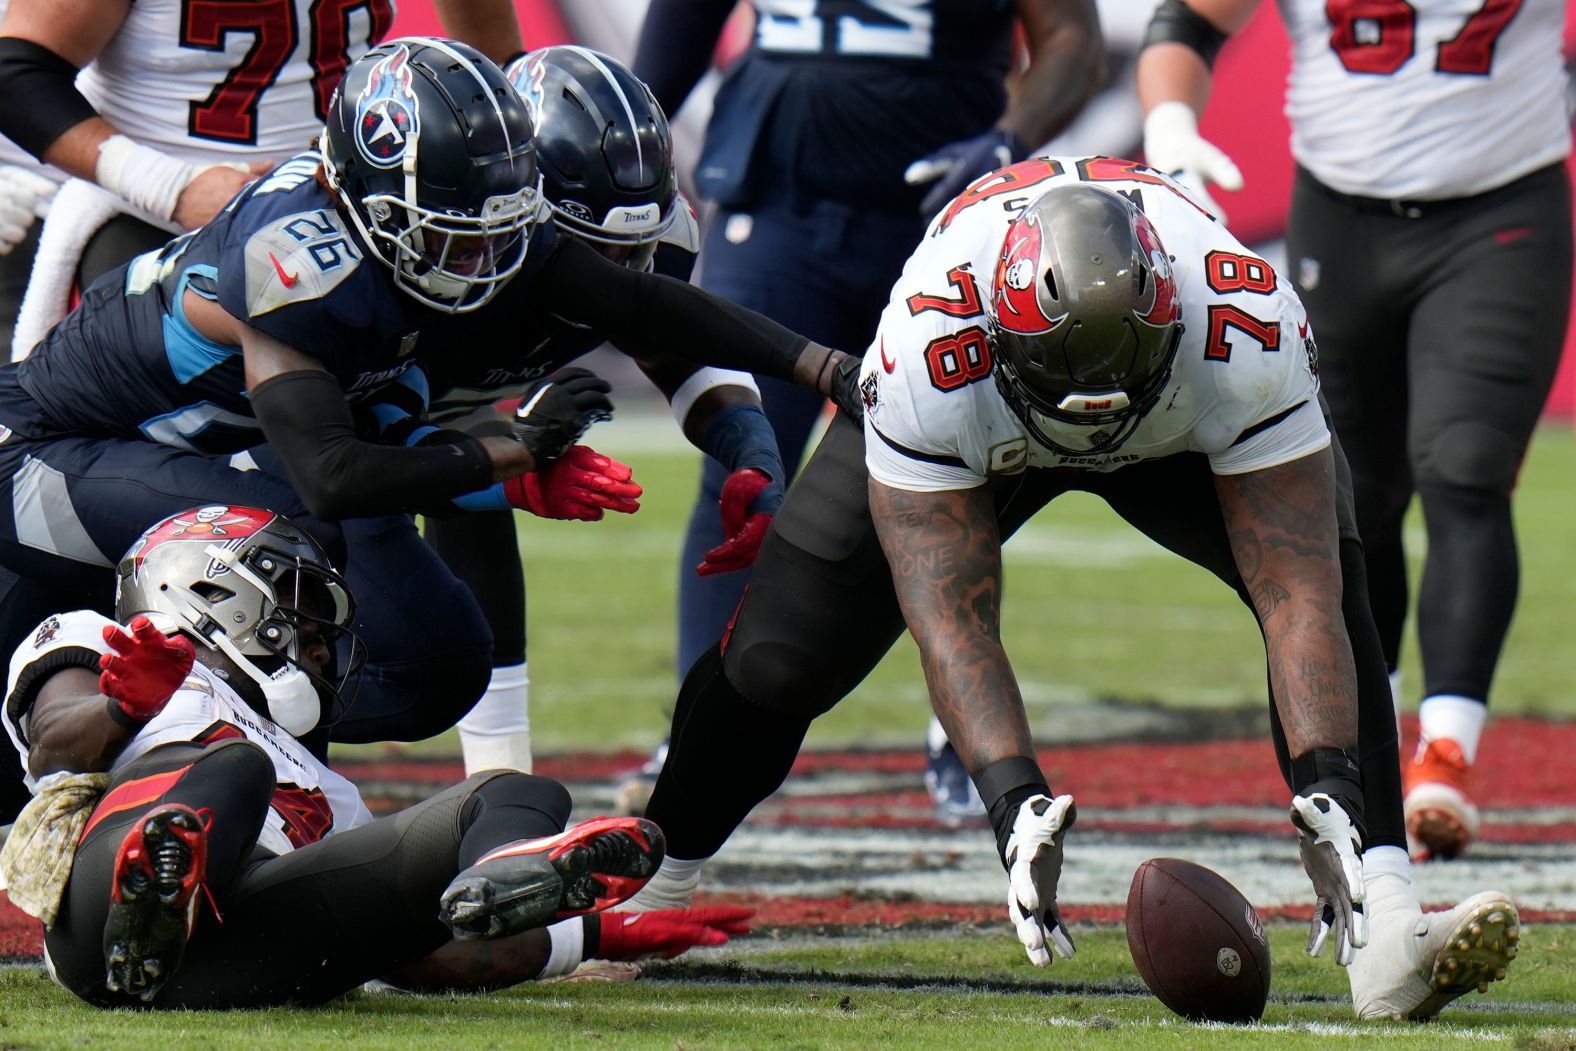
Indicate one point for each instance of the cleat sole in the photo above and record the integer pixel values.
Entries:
(1475, 955)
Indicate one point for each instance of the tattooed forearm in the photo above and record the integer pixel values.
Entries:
(1282, 529)
(945, 554)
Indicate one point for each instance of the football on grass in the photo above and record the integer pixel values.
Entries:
(1197, 942)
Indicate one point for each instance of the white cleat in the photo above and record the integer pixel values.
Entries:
(1415, 963)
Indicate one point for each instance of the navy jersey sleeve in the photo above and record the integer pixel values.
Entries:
(676, 42)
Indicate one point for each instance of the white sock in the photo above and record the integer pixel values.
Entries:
(567, 939)
(673, 887)
(496, 734)
(1387, 872)
(936, 736)
(1459, 718)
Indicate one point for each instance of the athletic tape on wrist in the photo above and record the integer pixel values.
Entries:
(122, 718)
(145, 177)
(704, 380)
(567, 940)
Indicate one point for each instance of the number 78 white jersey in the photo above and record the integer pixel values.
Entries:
(1243, 389)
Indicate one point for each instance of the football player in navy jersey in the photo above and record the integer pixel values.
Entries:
(606, 157)
(836, 136)
(305, 304)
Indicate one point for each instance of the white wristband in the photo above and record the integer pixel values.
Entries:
(704, 380)
(568, 943)
(142, 175)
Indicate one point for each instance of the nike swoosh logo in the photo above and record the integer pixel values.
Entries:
(288, 280)
(1512, 235)
(886, 363)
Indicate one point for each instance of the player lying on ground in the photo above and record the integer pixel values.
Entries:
(1045, 339)
(185, 851)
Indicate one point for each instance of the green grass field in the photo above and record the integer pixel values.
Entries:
(944, 990)
(1094, 612)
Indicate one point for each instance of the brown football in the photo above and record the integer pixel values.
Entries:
(1197, 942)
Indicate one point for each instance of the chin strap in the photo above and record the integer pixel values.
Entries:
(291, 697)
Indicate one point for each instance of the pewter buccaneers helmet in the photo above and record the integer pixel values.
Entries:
(1083, 320)
(242, 580)
(432, 156)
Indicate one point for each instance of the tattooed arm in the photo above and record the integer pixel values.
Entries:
(945, 555)
(1281, 521)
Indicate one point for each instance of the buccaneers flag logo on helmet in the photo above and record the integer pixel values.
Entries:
(1017, 284)
(1165, 309)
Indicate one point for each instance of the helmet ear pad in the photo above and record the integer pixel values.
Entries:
(1083, 319)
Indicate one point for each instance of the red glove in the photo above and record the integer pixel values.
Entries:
(743, 530)
(146, 668)
(668, 932)
(580, 485)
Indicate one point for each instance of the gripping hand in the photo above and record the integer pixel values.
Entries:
(957, 164)
(145, 670)
(1331, 847)
(668, 932)
(580, 486)
(552, 417)
(749, 499)
(1034, 865)
(1173, 145)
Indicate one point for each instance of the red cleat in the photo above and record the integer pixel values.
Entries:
(153, 899)
(532, 882)
(1441, 819)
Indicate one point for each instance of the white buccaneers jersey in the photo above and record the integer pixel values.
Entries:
(1242, 391)
(246, 81)
(1425, 99)
(310, 800)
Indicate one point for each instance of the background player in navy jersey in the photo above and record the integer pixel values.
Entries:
(272, 323)
(811, 136)
(606, 156)
(213, 861)
(1439, 280)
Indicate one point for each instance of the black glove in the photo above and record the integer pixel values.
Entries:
(845, 388)
(554, 415)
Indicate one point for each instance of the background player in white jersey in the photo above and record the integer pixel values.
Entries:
(1044, 339)
(1430, 237)
(209, 804)
(178, 105)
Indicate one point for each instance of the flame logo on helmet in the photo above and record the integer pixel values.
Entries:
(527, 73)
(1164, 309)
(1015, 295)
(387, 117)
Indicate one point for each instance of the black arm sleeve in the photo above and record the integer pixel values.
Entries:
(337, 475)
(676, 42)
(48, 82)
(1175, 22)
(659, 313)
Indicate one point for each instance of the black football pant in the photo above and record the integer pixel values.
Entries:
(1440, 326)
(821, 612)
(303, 927)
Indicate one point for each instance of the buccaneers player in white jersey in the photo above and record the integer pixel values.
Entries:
(1079, 324)
(1430, 237)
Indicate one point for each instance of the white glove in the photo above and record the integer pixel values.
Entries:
(1173, 145)
(1331, 849)
(24, 197)
(1034, 865)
